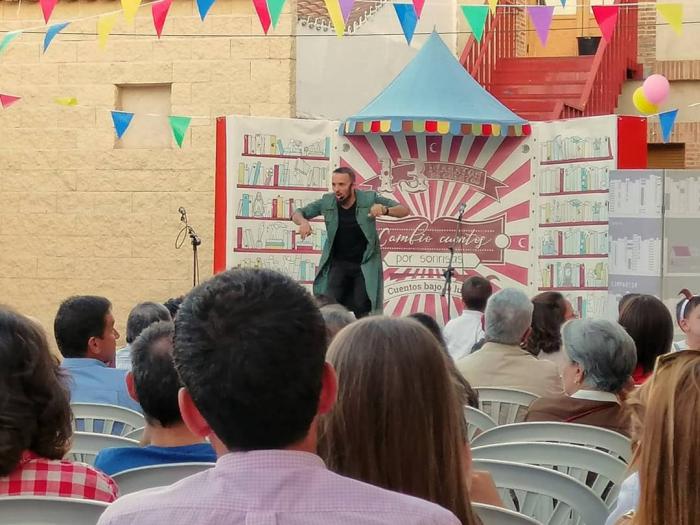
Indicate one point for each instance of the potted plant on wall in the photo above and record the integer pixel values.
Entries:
(587, 45)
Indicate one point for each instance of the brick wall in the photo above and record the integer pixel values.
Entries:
(646, 36)
(78, 216)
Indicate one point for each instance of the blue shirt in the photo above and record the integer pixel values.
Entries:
(92, 381)
(114, 460)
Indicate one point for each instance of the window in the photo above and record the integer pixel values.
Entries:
(150, 104)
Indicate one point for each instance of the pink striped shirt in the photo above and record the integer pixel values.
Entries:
(272, 487)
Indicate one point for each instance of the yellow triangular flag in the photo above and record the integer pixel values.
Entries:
(492, 6)
(130, 8)
(104, 27)
(336, 15)
(673, 14)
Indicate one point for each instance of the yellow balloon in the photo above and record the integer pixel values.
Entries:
(642, 104)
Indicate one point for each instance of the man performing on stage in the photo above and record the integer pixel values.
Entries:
(350, 269)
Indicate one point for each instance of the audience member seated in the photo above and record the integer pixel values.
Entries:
(688, 319)
(650, 325)
(141, 317)
(550, 311)
(250, 349)
(35, 421)
(154, 383)
(463, 332)
(336, 317)
(624, 300)
(501, 362)
(667, 456)
(397, 422)
(85, 335)
(601, 358)
(173, 305)
(465, 393)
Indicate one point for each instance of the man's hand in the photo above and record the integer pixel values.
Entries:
(377, 210)
(304, 229)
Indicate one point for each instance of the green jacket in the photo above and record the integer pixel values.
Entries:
(371, 260)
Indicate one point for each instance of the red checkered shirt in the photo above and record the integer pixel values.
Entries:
(37, 476)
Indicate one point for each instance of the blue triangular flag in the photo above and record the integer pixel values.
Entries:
(204, 6)
(121, 120)
(563, 3)
(408, 19)
(667, 119)
(51, 33)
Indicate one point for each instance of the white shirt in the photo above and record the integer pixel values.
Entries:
(680, 345)
(462, 333)
(595, 395)
(627, 500)
(123, 358)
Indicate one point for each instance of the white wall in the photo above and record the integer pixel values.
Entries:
(670, 46)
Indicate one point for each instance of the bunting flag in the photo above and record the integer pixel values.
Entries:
(418, 6)
(121, 120)
(8, 100)
(673, 14)
(336, 15)
(130, 8)
(492, 6)
(179, 126)
(606, 16)
(104, 27)
(7, 39)
(263, 14)
(67, 101)
(406, 14)
(51, 33)
(476, 18)
(47, 8)
(541, 17)
(563, 3)
(667, 119)
(203, 6)
(275, 7)
(159, 11)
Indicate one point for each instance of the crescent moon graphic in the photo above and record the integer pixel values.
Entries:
(431, 147)
(520, 242)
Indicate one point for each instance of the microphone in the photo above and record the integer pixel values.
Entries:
(183, 214)
(462, 208)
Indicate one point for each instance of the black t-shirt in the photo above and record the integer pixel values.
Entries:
(350, 243)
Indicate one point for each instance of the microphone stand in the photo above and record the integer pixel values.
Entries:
(195, 240)
(449, 272)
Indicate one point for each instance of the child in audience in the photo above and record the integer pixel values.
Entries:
(688, 318)
(465, 331)
(35, 421)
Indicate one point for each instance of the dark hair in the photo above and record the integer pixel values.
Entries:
(155, 378)
(250, 347)
(34, 400)
(347, 171)
(431, 324)
(142, 316)
(548, 314)
(475, 292)
(324, 300)
(649, 323)
(624, 300)
(78, 319)
(173, 305)
(686, 305)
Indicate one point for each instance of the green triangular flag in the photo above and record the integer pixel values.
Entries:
(9, 37)
(476, 18)
(275, 7)
(179, 126)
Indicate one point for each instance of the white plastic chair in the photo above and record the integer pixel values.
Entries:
(505, 405)
(86, 445)
(141, 478)
(611, 442)
(477, 421)
(596, 469)
(106, 419)
(491, 515)
(136, 434)
(44, 510)
(546, 495)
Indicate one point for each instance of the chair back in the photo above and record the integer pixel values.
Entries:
(45, 510)
(603, 439)
(548, 496)
(477, 421)
(141, 478)
(105, 419)
(505, 405)
(596, 469)
(86, 445)
(136, 434)
(491, 515)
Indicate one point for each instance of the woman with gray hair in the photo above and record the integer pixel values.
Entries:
(600, 358)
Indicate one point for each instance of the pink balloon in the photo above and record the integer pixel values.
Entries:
(656, 89)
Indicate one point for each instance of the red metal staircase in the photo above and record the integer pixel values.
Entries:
(539, 88)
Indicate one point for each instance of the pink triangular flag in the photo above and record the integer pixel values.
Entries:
(263, 14)
(47, 8)
(8, 100)
(418, 6)
(159, 10)
(606, 16)
(346, 8)
(541, 16)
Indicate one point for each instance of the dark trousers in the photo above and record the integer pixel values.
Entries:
(346, 284)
